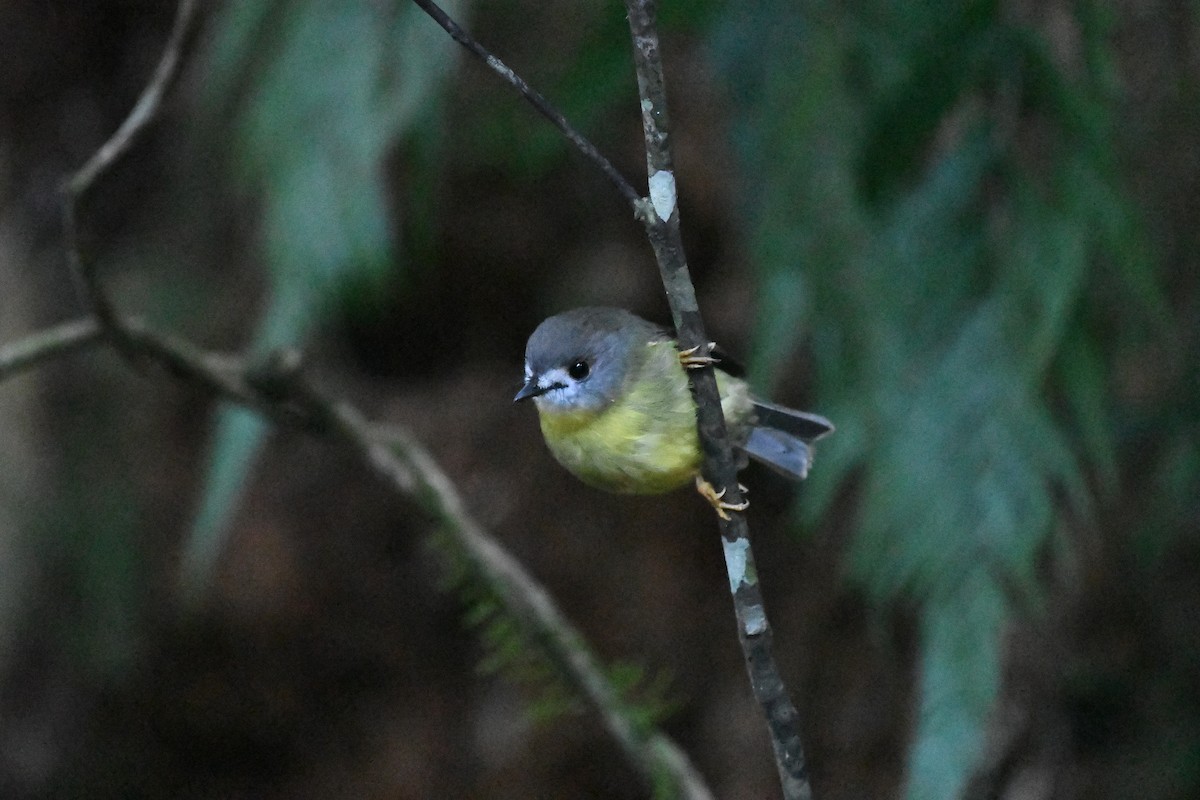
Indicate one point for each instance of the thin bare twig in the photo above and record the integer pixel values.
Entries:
(145, 111)
(400, 460)
(227, 376)
(230, 377)
(47, 345)
(535, 99)
(661, 219)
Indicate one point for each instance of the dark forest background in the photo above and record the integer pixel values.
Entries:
(967, 232)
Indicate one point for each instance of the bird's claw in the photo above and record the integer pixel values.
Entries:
(692, 358)
(714, 498)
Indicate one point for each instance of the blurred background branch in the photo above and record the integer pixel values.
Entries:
(46, 345)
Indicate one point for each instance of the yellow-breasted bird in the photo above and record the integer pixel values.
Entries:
(612, 395)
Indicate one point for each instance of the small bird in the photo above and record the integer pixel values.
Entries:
(613, 398)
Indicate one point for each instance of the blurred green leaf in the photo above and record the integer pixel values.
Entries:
(1176, 480)
(943, 269)
(959, 677)
(317, 96)
(963, 472)
(323, 93)
(951, 43)
(1045, 260)
(1082, 371)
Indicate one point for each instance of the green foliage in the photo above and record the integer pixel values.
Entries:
(316, 97)
(945, 269)
(959, 672)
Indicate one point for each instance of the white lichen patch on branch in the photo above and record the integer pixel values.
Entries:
(662, 193)
(754, 620)
(502, 68)
(735, 562)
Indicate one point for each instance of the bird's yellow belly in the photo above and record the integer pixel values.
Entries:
(622, 450)
(646, 443)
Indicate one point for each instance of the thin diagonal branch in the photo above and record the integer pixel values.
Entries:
(230, 377)
(148, 104)
(145, 111)
(278, 391)
(47, 345)
(398, 459)
(662, 227)
(534, 97)
(225, 375)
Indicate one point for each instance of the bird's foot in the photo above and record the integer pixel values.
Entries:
(693, 358)
(714, 498)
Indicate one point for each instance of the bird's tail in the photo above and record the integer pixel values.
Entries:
(781, 437)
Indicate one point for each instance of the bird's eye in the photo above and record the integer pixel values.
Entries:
(579, 370)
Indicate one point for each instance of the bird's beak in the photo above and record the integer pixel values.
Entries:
(530, 389)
